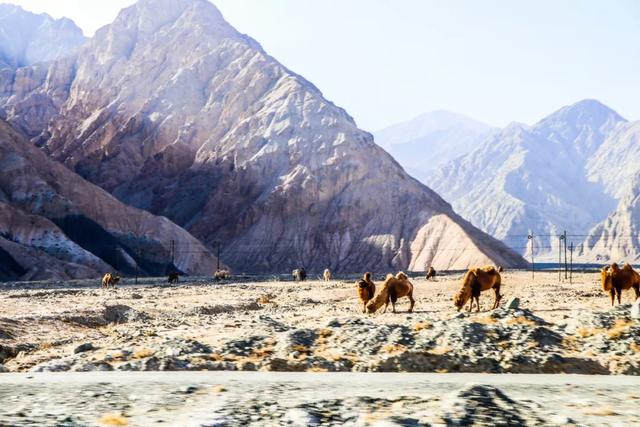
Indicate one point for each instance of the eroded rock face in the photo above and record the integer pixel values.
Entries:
(54, 224)
(173, 111)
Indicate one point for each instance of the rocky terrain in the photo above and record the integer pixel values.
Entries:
(314, 327)
(27, 38)
(302, 399)
(173, 111)
(54, 224)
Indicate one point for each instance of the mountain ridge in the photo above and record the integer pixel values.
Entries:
(227, 142)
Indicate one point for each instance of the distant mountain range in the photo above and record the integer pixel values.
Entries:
(429, 141)
(173, 111)
(28, 38)
(575, 170)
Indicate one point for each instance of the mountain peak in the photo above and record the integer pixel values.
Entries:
(585, 112)
(35, 37)
(150, 15)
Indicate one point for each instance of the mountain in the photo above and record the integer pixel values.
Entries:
(173, 111)
(54, 224)
(27, 38)
(430, 140)
(537, 178)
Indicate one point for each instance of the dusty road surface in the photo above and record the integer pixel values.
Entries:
(314, 326)
(306, 399)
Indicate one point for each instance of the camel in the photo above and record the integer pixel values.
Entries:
(394, 287)
(366, 290)
(616, 279)
(299, 274)
(222, 274)
(431, 273)
(326, 275)
(475, 281)
(173, 277)
(110, 280)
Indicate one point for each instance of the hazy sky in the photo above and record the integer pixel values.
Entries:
(389, 60)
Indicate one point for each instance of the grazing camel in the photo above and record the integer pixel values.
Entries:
(431, 273)
(299, 274)
(616, 279)
(475, 281)
(222, 274)
(110, 280)
(326, 275)
(366, 290)
(393, 288)
(173, 277)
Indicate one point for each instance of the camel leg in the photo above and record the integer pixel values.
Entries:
(393, 307)
(478, 304)
(613, 296)
(364, 307)
(470, 305)
(636, 289)
(413, 302)
(619, 293)
(498, 297)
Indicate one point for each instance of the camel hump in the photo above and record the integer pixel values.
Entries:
(366, 277)
(402, 276)
(389, 276)
(627, 267)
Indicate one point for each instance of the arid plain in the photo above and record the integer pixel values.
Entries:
(559, 327)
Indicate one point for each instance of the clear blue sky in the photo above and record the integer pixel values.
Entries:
(389, 60)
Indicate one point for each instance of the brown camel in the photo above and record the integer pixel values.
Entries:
(476, 281)
(366, 290)
(431, 273)
(393, 288)
(616, 279)
(110, 280)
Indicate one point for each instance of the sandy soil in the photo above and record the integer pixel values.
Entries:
(315, 326)
(190, 399)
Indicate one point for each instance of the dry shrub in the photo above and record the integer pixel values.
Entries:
(218, 389)
(521, 320)
(143, 353)
(438, 351)
(317, 369)
(394, 348)
(588, 332)
(485, 320)
(601, 412)
(635, 347)
(113, 420)
(619, 328)
(422, 325)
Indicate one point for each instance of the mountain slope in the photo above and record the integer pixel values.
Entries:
(53, 224)
(430, 140)
(173, 111)
(534, 178)
(27, 38)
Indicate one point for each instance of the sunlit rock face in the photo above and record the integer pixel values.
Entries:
(56, 225)
(173, 111)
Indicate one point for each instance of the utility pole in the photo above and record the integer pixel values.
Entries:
(564, 238)
(560, 258)
(218, 243)
(571, 271)
(173, 253)
(533, 262)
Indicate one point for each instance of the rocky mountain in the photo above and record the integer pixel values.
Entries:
(429, 141)
(27, 38)
(173, 111)
(54, 224)
(555, 175)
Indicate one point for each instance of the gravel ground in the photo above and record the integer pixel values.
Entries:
(314, 326)
(305, 399)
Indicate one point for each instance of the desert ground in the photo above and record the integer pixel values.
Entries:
(70, 350)
(317, 326)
